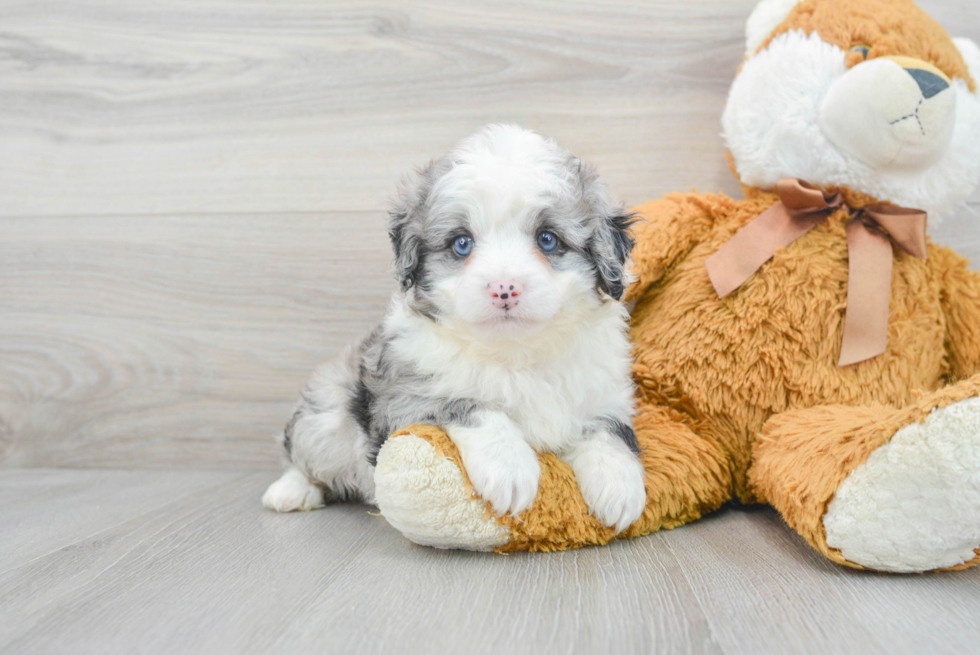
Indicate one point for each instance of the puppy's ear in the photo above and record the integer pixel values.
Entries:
(405, 222)
(610, 244)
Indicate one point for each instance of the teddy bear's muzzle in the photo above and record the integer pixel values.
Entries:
(892, 113)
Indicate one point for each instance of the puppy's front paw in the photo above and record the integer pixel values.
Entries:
(506, 475)
(612, 486)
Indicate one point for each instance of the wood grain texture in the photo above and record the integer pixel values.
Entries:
(311, 106)
(44, 510)
(158, 341)
(192, 193)
(222, 106)
(211, 571)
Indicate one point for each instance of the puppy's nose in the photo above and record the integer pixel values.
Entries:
(505, 294)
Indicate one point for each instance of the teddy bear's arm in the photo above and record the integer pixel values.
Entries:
(961, 305)
(665, 231)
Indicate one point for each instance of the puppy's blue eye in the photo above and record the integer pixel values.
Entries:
(547, 241)
(463, 246)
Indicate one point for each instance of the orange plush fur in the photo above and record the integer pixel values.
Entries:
(886, 27)
(741, 397)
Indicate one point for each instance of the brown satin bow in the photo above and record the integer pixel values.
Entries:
(800, 208)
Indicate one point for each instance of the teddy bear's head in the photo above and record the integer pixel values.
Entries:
(869, 95)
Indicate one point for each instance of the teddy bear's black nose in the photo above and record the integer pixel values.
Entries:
(929, 83)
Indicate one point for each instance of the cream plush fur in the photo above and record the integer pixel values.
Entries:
(915, 504)
(426, 498)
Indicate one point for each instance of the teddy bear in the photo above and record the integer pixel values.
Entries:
(806, 347)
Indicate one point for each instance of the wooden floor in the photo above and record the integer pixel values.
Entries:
(192, 200)
(188, 562)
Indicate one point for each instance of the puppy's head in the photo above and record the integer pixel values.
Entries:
(505, 233)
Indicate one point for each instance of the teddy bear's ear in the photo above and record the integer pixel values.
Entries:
(765, 18)
(610, 243)
(971, 53)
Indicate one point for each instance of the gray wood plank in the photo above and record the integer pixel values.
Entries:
(214, 572)
(309, 106)
(161, 341)
(196, 106)
(44, 510)
(763, 586)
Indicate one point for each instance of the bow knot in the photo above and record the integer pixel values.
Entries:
(870, 232)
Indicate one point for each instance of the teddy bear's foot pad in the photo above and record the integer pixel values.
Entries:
(424, 495)
(914, 505)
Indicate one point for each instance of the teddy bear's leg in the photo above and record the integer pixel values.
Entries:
(884, 488)
(422, 490)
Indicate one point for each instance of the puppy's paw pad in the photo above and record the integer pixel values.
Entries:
(614, 491)
(508, 482)
(292, 492)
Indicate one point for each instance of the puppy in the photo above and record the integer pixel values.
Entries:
(507, 331)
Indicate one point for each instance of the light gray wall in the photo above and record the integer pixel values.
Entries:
(192, 192)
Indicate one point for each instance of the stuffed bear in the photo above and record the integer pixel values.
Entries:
(805, 347)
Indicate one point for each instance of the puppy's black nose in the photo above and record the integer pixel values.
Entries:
(929, 83)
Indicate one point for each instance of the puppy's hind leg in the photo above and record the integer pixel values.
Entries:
(293, 492)
(324, 449)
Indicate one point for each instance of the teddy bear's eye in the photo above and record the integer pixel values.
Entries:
(862, 50)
